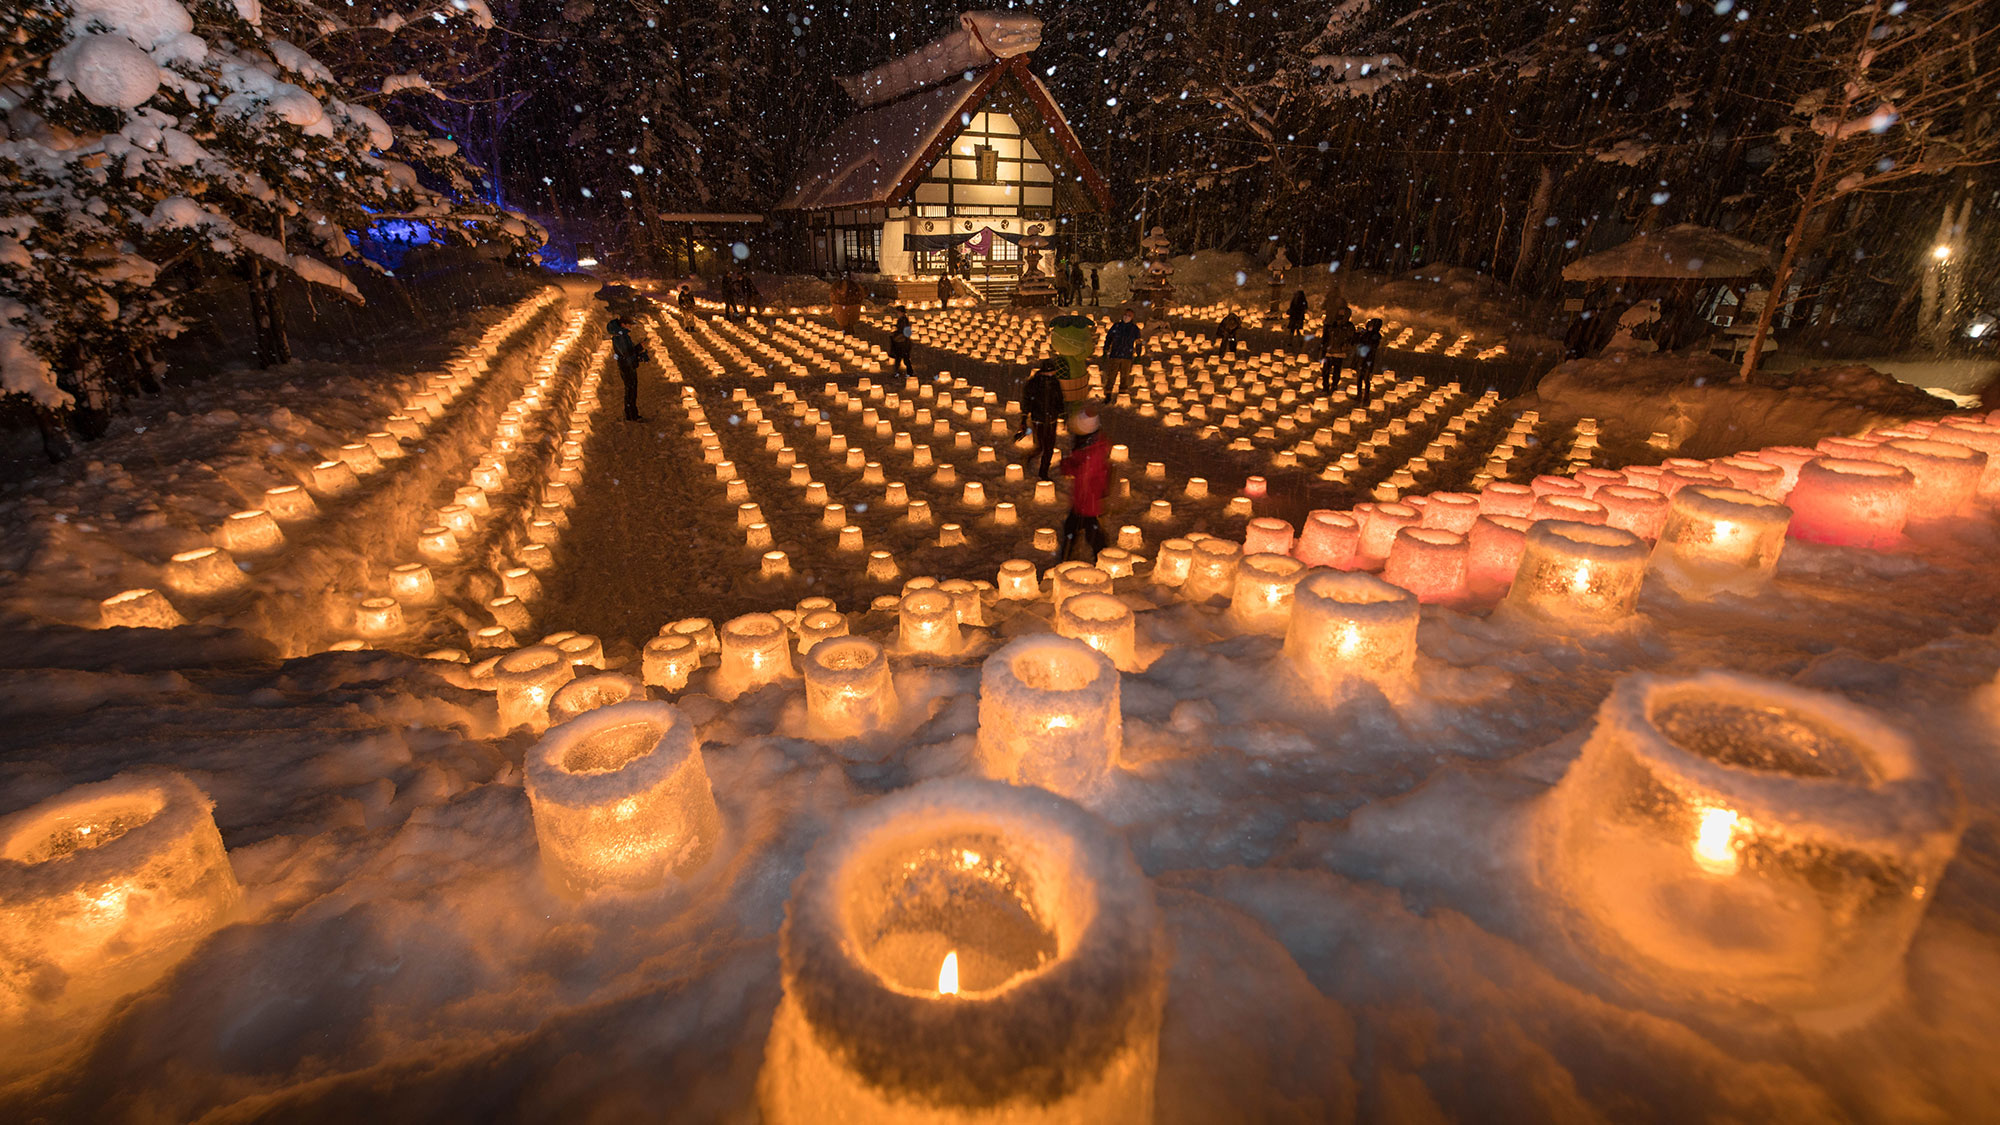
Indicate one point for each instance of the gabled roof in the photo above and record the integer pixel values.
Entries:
(1686, 251)
(877, 156)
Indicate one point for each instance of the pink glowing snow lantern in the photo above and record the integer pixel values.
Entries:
(1549, 484)
(1851, 503)
(1753, 475)
(1267, 536)
(1503, 498)
(1846, 448)
(1789, 459)
(1594, 479)
(1566, 506)
(1451, 511)
(1578, 574)
(1493, 553)
(1641, 511)
(1677, 477)
(1720, 540)
(1428, 562)
(1980, 436)
(1947, 476)
(1328, 539)
(1379, 525)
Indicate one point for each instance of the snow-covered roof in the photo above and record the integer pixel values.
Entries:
(877, 156)
(1684, 251)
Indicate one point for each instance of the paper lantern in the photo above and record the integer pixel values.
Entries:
(525, 681)
(1428, 562)
(1750, 839)
(1211, 570)
(756, 651)
(1720, 540)
(1261, 596)
(1328, 539)
(288, 503)
(1267, 536)
(138, 609)
(621, 799)
(668, 660)
(1048, 715)
(1349, 628)
(927, 945)
(203, 572)
(1493, 554)
(1641, 511)
(1946, 476)
(1578, 574)
(849, 691)
(105, 886)
(249, 532)
(927, 622)
(588, 693)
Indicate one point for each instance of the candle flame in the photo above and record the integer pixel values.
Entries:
(1579, 580)
(1714, 842)
(948, 975)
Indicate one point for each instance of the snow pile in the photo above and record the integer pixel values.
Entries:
(1696, 402)
(1679, 252)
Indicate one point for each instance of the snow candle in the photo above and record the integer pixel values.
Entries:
(1267, 536)
(1349, 626)
(1451, 511)
(1502, 498)
(1578, 574)
(588, 693)
(1261, 598)
(1493, 554)
(249, 532)
(1792, 839)
(1947, 475)
(927, 622)
(1328, 539)
(1104, 623)
(107, 884)
(138, 609)
(963, 952)
(756, 650)
(1211, 569)
(849, 691)
(668, 660)
(1048, 714)
(818, 625)
(1850, 503)
(378, 617)
(1379, 525)
(1072, 578)
(621, 799)
(289, 503)
(1720, 539)
(1019, 580)
(525, 680)
(1641, 511)
(1428, 562)
(203, 571)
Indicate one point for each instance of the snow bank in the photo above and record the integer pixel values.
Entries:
(1695, 401)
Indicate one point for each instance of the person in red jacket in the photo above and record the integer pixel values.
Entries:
(1089, 467)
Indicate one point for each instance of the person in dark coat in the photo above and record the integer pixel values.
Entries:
(944, 290)
(752, 299)
(1336, 340)
(685, 299)
(1295, 317)
(1042, 406)
(1227, 332)
(1367, 354)
(1089, 468)
(1096, 288)
(630, 354)
(900, 341)
(1121, 347)
(1076, 282)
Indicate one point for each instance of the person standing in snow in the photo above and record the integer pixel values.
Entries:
(944, 290)
(1121, 347)
(1096, 288)
(1042, 406)
(1076, 281)
(1089, 468)
(1295, 318)
(1336, 339)
(630, 354)
(684, 300)
(900, 341)
(1227, 332)
(1367, 353)
(752, 299)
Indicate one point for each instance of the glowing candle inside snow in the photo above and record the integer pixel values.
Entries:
(1720, 539)
(1578, 574)
(1350, 626)
(1048, 714)
(139, 609)
(849, 691)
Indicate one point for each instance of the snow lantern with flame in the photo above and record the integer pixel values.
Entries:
(621, 799)
(1349, 627)
(964, 951)
(1720, 540)
(105, 885)
(1752, 839)
(849, 691)
(1578, 574)
(1048, 714)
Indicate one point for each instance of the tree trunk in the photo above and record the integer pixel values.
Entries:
(267, 316)
(1531, 227)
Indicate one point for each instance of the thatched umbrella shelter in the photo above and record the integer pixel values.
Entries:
(1674, 266)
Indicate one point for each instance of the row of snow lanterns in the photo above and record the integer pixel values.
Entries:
(470, 518)
(255, 533)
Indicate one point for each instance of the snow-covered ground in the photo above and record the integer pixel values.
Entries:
(1364, 913)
